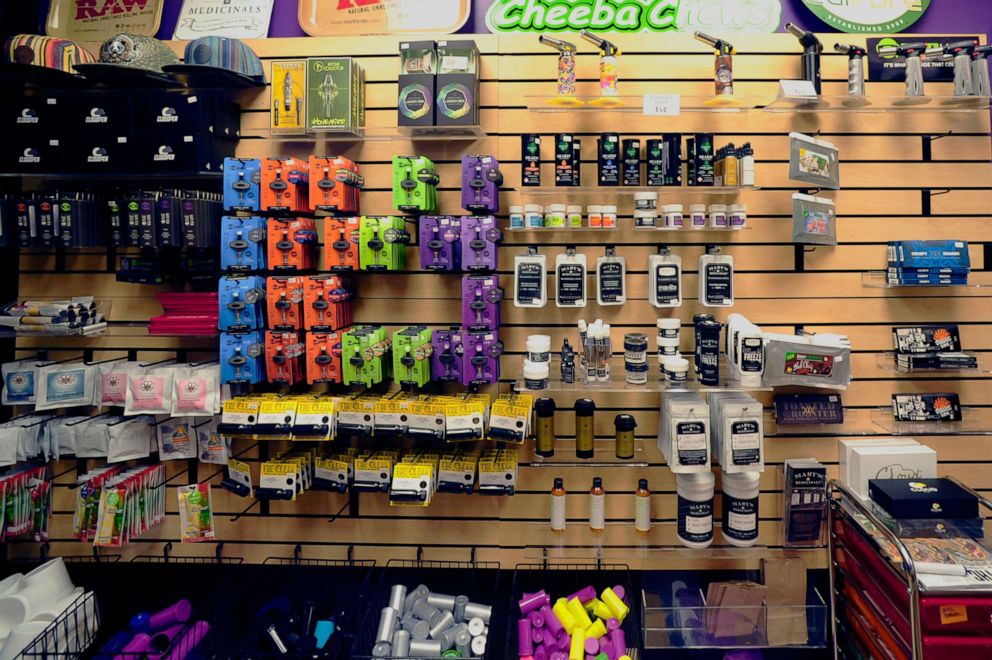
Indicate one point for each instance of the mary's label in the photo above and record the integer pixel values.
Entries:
(611, 283)
(690, 443)
(530, 285)
(571, 285)
(667, 282)
(745, 442)
(719, 280)
(752, 355)
(695, 520)
(740, 518)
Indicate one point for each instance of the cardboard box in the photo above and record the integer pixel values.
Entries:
(289, 106)
(181, 153)
(923, 498)
(100, 151)
(847, 448)
(186, 114)
(96, 114)
(457, 84)
(907, 462)
(333, 94)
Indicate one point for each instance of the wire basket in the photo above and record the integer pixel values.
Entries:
(70, 634)
(477, 580)
(559, 580)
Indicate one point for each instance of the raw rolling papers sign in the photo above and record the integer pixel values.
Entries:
(756, 16)
(878, 16)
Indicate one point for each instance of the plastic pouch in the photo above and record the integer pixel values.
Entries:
(19, 382)
(150, 392)
(65, 385)
(130, 440)
(113, 383)
(196, 391)
(176, 439)
(213, 447)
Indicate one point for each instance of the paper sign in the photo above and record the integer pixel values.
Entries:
(662, 104)
(797, 88)
(950, 614)
(240, 19)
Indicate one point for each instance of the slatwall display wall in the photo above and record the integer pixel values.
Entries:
(910, 175)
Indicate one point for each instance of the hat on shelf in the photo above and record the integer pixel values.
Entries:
(218, 60)
(41, 55)
(131, 56)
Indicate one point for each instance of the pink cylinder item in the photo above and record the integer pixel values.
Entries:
(619, 641)
(537, 636)
(177, 613)
(525, 646)
(606, 647)
(564, 643)
(552, 623)
(612, 623)
(162, 640)
(189, 640)
(138, 644)
(533, 602)
(540, 653)
(558, 655)
(620, 592)
(584, 595)
(592, 645)
(550, 646)
(536, 619)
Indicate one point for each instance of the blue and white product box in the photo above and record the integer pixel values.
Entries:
(243, 246)
(242, 302)
(242, 184)
(929, 254)
(242, 358)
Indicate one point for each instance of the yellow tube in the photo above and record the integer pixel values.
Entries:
(600, 609)
(597, 629)
(579, 612)
(620, 610)
(577, 651)
(564, 615)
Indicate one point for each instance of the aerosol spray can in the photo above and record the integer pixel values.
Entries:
(724, 66)
(980, 70)
(811, 54)
(855, 68)
(566, 64)
(609, 63)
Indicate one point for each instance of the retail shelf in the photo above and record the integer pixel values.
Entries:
(886, 361)
(628, 191)
(877, 279)
(578, 541)
(113, 179)
(879, 104)
(59, 331)
(604, 455)
(635, 103)
(974, 421)
(856, 423)
(385, 133)
(620, 227)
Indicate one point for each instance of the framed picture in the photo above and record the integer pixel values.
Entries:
(238, 19)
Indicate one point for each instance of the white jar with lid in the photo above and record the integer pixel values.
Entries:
(539, 348)
(516, 217)
(669, 328)
(554, 216)
(595, 215)
(533, 216)
(609, 217)
(718, 216)
(671, 216)
(677, 370)
(574, 219)
(738, 216)
(668, 345)
(645, 218)
(645, 201)
(740, 508)
(695, 508)
(697, 216)
(536, 375)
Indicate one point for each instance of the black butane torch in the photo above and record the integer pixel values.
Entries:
(811, 54)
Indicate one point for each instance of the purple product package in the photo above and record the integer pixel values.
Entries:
(480, 238)
(481, 180)
(446, 360)
(481, 295)
(440, 244)
(480, 362)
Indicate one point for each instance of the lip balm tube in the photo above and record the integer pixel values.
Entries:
(442, 601)
(524, 644)
(584, 595)
(397, 598)
(533, 602)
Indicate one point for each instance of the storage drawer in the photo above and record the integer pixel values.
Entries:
(897, 612)
(956, 648)
(956, 616)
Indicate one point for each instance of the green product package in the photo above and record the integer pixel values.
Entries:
(411, 355)
(334, 96)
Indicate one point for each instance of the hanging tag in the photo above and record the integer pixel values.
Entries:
(665, 279)
(570, 271)
(530, 279)
(716, 279)
(611, 278)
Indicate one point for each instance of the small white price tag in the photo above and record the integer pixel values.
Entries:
(797, 89)
(662, 104)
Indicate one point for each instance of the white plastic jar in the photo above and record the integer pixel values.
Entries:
(695, 508)
(677, 370)
(645, 201)
(574, 218)
(740, 508)
(668, 345)
(738, 216)
(671, 216)
(539, 348)
(554, 216)
(609, 217)
(595, 215)
(516, 217)
(533, 216)
(536, 375)
(718, 216)
(669, 328)
(645, 218)
(697, 216)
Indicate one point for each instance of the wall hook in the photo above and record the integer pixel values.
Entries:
(166, 551)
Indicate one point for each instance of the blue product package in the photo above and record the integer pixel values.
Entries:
(243, 246)
(242, 358)
(929, 254)
(241, 303)
(242, 184)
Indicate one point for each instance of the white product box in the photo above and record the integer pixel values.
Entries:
(846, 446)
(906, 462)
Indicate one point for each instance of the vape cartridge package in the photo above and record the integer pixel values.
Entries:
(530, 159)
(418, 66)
(481, 181)
(335, 184)
(284, 302)
(241, 303)
(702, 157)
(334, 95)
(481, 296)
(326, 303)
(446, 355)
(564, 160)
(283, 357)
(608, 160)
(292, 244)
(480, 240)
(289, 83)
(342, 238)
(630, 163)
(323, 357)
(440, 243)
(242, 184)
(457, 84)
(242, 358)
(805, 502)
(285, 185)
(415, 181)
(383, 243)
(929, 407)
(412, 351)
(664, 160)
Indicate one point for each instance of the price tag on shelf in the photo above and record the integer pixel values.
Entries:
(803, 89)
(662, 104)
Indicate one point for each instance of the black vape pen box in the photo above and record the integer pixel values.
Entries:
(95, 114)
(923, 498)
(192, 153)
(186, 114)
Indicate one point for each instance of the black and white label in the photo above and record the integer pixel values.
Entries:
(530, 285)
(690, 443)
(667, 284)
(752, 355)
(745, 442)
(740, 518)
(719, 284)
(611, 282)
(571, 285)
(695, 520)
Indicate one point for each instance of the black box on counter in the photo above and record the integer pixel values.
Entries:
(923, 498)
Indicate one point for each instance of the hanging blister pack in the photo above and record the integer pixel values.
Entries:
(480, 359)
(242, 184)
(415, 181)
(440, 243)
(242, 358)
(446, 358)
(814, 220)
(383, 243)
(716, 278)
(342, 238)
(481, 296)
(241, 301)
(530, 279)
(813, 161)
(611, 278)
(570, 278)
(480, 240)
(243, 244)
(481, 181)
(665, 278)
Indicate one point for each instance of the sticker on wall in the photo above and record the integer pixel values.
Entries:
(878, 17)
(337, 18)
(98, 20)
(886, 67)
(238, 19)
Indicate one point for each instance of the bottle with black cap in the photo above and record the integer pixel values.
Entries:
(597, 505)
(697, 319)
(585, 409)
(544, 437)
(625, 425)
(558, 505)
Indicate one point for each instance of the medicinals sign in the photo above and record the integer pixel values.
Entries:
(716, 16)
(879, 16)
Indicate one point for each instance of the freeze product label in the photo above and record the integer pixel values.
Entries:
(752, 355)
(667, 281)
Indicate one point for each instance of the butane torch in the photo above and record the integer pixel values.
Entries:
(960, 51)
(855, 68)
(811, 54)
(609, 63)
(980, 70)
(724, 66)
(566, 64)
(913, 52)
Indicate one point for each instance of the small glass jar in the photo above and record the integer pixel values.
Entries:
(645, 201)
(534, 216)
(718, 216)
(595, 216)
(516, 217)
(645, 218)
(697, 216)
(609, 217)
(637, 373)
(738, 216)
(672, 216)
(574, 219)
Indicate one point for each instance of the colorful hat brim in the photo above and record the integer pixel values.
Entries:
(120, 75)
(37, 76)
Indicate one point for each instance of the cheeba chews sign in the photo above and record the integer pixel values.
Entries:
(716, 16)
(321, 18)
(98, 20)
